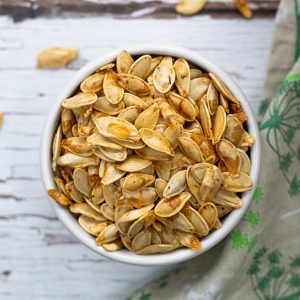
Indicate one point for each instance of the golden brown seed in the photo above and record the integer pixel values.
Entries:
(148, 118)
(112, 91)
(243, 8)
(198, 88)
(156, 248)
(105, 68)
(190, 149)
(176, 185)
(209, 213)
(156, 141)
(183, 76)
(169, 207)
(234, 130)
(112, 127)
(141, 66)
(77, 145)
(59, 197)
(149, 153)
(93, 83)
(113, 246)
(229, 155)
(224, 103)
(67, 122)
(188, 240)
(190, 7)
(53, 58)
(76, 161)
(104, 106)
(195, 73)
(228, 199)
(182, 106)
(132, 100)
(133, 84)
(212, 99)
(237, 183)
(221, 87)
(91, 226)
(124, 62)
(205, 120)
(163, 169)
(133, 163)
(136, 181)
(109, 234)
(160, 186)
(1, 119)
(79, 100)
(218, 124)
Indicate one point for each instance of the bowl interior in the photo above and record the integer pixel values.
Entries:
(228, 223)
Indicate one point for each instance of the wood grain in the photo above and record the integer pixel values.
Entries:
(22, 9)
(39, 258)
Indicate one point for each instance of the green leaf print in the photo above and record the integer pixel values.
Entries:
(163, 280)
(253, 218)
(251, 243)
(239, 239)
(295, 262)
(253, 269)
(294, 281)
(280, 128)
(258, 195)
(285, 161)
(242, 240)
(289, 135)
(274, 257)
(275, 272)
(263, 105)
(294, 186)
(145, 296)
(263, 283)
(269, 278)
(259, 254)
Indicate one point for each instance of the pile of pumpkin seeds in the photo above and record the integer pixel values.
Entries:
(150, 154)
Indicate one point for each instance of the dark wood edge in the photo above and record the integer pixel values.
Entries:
(18, 11)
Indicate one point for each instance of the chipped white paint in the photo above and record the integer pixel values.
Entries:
(39, 259)
(143, 12)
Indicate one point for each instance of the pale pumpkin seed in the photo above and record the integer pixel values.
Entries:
(183, 76)
(112, 91)
(164, 75)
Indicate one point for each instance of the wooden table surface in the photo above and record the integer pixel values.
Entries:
(39, 258)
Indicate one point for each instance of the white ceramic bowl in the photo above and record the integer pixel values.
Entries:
(70, 221)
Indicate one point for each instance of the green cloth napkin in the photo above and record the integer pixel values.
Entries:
(261, 257)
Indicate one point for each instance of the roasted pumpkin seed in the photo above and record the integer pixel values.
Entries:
(154, 168)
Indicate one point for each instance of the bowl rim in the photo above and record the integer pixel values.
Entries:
(123, 255)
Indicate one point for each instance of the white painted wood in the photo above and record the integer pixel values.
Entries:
(39, 259)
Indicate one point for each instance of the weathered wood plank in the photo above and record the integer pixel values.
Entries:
(198, 33)
(22, 9)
